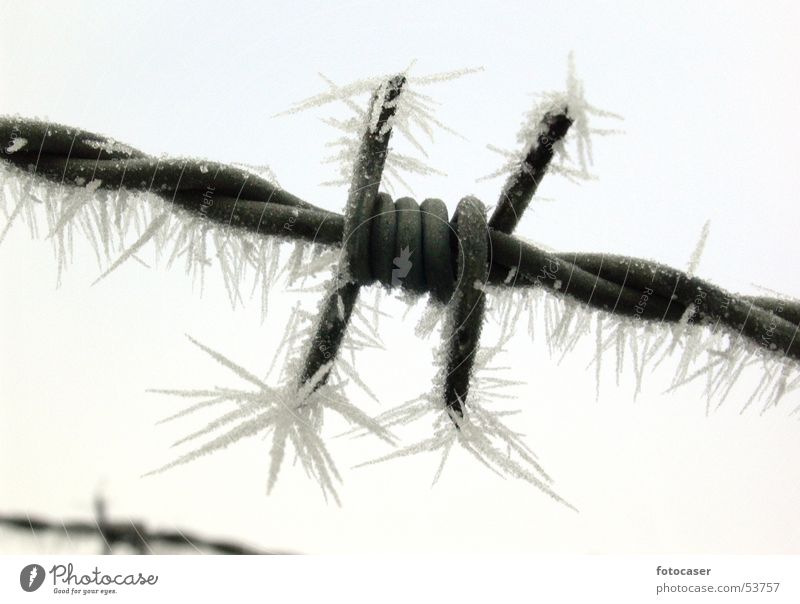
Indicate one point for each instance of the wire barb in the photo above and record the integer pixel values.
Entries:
(418, 248)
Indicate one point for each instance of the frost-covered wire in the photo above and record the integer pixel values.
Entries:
(413, 118)
(196, 212)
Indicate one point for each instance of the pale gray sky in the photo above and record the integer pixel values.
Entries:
(708, 92)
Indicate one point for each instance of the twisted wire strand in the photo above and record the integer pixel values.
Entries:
(130, 533)
(243, 200)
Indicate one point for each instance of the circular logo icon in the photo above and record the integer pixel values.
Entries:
(31, 577)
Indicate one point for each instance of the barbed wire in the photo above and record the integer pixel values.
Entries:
(130, 533)
(244, 200)
(455, 259)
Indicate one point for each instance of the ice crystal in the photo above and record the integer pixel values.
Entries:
(414, 118)
(572, 154)
(713, 354)
(124, 225)
(694, 262)
(481, 431)
(291, 414)
(16, 144)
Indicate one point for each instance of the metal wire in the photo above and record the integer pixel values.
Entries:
(114, 533)
(451, 255)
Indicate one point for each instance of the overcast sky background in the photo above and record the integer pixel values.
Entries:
(709, 93)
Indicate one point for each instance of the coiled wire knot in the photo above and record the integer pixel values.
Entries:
(405, 244)
(416, 247)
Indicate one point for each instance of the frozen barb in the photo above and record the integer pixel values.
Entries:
(573, 153)
(291, 415)
(414, 119)
(479, 432)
